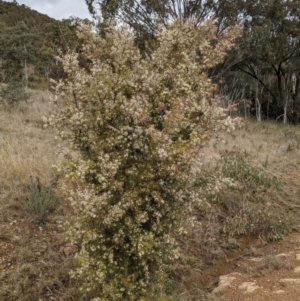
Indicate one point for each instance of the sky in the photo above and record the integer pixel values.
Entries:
(58, 9)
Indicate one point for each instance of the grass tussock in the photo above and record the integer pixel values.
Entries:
(41, 201)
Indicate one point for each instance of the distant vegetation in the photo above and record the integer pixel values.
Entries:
(29, 44)
(261, 75)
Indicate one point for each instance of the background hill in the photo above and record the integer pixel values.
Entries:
(12, 13)
(29, 43)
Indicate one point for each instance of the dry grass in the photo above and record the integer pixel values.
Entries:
(31, 264)
(270, 143)
(26, 149)
(273, 146)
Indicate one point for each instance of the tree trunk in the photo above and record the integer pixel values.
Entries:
(285, 97)
(25, 68)
(257, 104)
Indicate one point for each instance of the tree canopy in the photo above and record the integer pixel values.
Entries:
(268, 55)
(263, 68)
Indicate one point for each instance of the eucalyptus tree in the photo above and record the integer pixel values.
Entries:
(17, 49)
(265, 61)
(151, 13)
(146, 17)
(268, 52)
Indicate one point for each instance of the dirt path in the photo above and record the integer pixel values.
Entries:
(273, 276)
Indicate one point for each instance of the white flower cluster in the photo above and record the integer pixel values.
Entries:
(137, 125)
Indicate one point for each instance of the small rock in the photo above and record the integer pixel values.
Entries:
(279, 292)
(298, 256)
(249, 287)
(225, 281)
(283, 255)
(256, 259)
(290, 280)
(297, 269)
(69, 249)
(232, 241)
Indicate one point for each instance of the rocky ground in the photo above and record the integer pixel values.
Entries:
(273, 277)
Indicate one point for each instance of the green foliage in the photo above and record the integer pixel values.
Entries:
(244, 205)
(12, 13)
(271, 224)
(13, 93)
(41, 201)
(272, 262)
(239, 167)
(16, 51)
(137, 137)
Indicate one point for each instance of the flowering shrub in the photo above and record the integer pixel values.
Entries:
(137, 126)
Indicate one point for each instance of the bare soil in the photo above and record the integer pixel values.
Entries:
(275, 276)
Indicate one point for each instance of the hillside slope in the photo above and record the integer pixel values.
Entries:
(29, 43)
